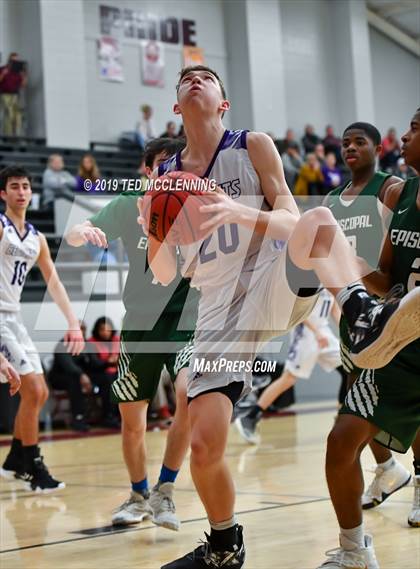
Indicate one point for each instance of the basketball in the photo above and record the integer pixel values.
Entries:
(172, 208)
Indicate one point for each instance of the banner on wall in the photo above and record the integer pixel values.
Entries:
(193, 56)
(152, 63)
(109, 59)
(110, 21)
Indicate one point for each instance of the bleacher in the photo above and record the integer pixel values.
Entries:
(33, 153)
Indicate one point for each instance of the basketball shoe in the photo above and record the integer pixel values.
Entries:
(205, 558)
(380, 330)
(133, 511)
(163, 506)
(386, 482)
(247, 428)
(352, 557)
(12, 467)
(36, 478)
(414, 516)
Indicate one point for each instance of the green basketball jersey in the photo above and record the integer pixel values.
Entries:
(144, 299)
(360, 218)
(404, 233)
(361, 222)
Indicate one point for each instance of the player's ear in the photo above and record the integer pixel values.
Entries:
(224, 105)
(176, 109)
(3, 195)
(148, 171)
(378, 149)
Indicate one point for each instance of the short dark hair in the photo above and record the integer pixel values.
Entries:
(13, 171)
(369, 129)
(168, 145)
(186, 70)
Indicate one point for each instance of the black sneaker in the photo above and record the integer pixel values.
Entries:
(79, 424)
(12, 467)
(384, 328)
(38, 479)
(204, 558)
(247, 428)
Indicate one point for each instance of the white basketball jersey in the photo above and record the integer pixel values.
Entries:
(17, 257)
(322, 309)
(233, 249)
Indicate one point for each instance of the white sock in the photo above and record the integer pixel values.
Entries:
(355, 535)
(387, 464)
(226, 524)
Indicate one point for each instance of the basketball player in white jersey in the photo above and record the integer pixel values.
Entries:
(8, 374)
(21, 246)
(311, 342)
(258, 272)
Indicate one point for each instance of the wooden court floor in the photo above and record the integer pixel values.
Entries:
(282, 503)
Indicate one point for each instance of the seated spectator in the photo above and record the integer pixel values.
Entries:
(56, 181)
(106, 343)
(78, 375)
(310, 139)
(145, 130)
(288, 142)
(332, 143)
(310, 180)
(170, 131)
(391, 151)
(88, 170)
(320, 153)
(292, 163)
(331, 174)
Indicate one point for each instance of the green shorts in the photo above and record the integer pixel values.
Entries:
(139, 370)
(389, 398)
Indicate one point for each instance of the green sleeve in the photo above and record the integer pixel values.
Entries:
(112, 217)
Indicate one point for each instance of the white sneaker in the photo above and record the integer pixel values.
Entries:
(385, 483)
(357, 557)
(163, 506)
(134, 510)
(414, 516)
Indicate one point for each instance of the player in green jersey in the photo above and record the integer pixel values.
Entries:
(385, 403)
(157, 330)
(358, 208)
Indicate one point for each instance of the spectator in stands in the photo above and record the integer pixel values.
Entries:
(292, 163)
(320, 153)
(106, 343)
(79, 375)
(332, 143)
(331, 174)
(88, 170)
(404, 171)
(310, 180)
(170, 131)
(145, 129)
(288, 142)
(13, 78)
(391, 151)
(310, 139)
(56, 181)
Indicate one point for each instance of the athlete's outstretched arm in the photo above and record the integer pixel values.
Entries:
(85, 232)
(73, 338)
(278, 223)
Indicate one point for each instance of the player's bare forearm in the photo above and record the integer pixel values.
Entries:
(162, 261)
(59, 295)
(276, 224)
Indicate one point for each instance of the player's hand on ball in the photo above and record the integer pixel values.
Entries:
(74, 341)
(10, 374)
(223, 210)
(95, 236)
(141, 219)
